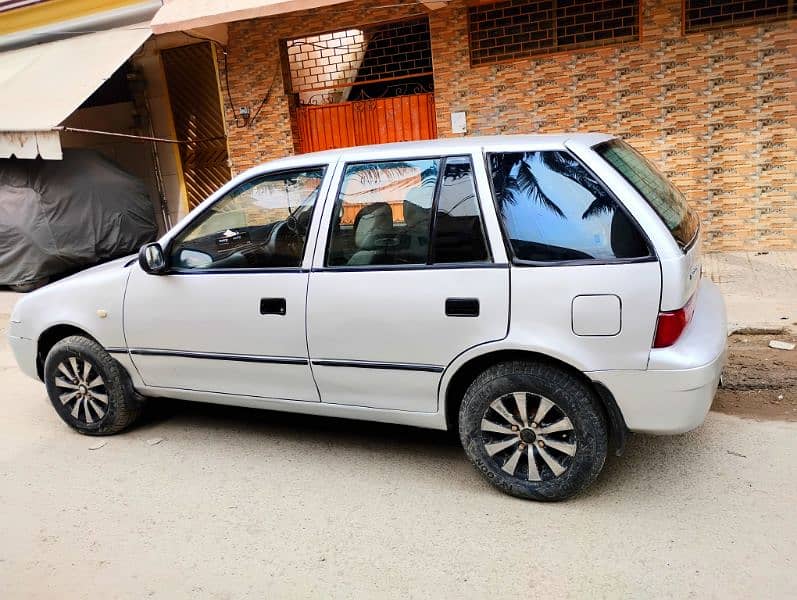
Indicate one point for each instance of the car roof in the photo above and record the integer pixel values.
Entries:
(441, 145)
(457, 144)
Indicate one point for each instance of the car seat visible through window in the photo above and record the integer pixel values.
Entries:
(373, 234)
(414, 238)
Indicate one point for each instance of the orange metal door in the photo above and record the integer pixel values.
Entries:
(378, 121)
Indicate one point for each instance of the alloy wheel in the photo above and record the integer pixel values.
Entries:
(82, 389)
(528, 436)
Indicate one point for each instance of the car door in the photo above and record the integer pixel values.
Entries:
(404, 281)
(229, 314)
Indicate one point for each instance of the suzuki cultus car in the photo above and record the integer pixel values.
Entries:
(542, 295)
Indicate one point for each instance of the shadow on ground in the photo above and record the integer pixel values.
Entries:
(677, 460)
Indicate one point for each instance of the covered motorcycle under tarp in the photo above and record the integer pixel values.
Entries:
(58, 216)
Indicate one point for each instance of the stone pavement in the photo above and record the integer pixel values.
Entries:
(760, 288)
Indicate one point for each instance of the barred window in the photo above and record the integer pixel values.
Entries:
(358, 63)
(516, 29)
(700, 15)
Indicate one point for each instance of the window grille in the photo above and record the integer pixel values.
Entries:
(356, 63)
(700, 15)
(515, 29)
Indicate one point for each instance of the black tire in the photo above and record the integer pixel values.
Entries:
(115, 397)
(571, 398)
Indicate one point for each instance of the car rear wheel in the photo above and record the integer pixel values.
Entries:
(534, 430)
(89, 390)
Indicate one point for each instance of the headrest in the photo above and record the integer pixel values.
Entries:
(417, 207)
(626, 242)
(372, 225)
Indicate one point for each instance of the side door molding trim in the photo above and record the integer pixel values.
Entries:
(365, 364)
(250, 358)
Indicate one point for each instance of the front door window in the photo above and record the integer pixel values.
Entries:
(262, 223)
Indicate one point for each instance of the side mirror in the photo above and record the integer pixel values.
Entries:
(151, 259)
(193, 259)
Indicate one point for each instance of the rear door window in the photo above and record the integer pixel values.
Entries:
(383, 213)
(668, 202)
(554, 210)
(407, 212)
(458, 230)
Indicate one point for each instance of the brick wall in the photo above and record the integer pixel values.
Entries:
(717, 111)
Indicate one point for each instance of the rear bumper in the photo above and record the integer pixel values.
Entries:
(663, 402)
(675, 393)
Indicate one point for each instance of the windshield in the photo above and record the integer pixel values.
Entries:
(663, 196)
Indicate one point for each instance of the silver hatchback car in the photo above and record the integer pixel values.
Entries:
(540, 294)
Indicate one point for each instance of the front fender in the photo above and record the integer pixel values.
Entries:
(92, 301)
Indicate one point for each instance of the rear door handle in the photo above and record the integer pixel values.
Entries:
(462, 307)
(272, 306)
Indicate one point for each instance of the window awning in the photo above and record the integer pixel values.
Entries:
(43, 84)
(179, 15)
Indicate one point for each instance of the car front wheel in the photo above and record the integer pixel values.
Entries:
(534, 430)
(89, 390)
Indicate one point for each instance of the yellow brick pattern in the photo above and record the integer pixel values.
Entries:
(717, 111)
(319, 60)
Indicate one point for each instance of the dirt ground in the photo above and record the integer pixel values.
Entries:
(204, 501)
(759, 381)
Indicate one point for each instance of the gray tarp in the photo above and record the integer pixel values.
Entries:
(57, 216)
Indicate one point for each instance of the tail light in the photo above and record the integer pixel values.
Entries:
(671, 324)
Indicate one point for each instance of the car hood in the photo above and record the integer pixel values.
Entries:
(116, 263)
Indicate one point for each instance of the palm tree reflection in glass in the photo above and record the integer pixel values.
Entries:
(515, 180)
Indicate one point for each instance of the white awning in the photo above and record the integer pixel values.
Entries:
(43, 84)
(179, 15)
(30, 144)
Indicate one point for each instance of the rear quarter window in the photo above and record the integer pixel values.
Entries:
(554, 210)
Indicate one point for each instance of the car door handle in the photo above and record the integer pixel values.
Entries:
(462, 307)
(272, 306)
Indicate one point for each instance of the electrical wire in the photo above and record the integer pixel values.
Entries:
(265, 99)
(199, 37)
(141, 138)
(227, 87)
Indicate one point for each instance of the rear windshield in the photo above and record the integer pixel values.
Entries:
(662, 195)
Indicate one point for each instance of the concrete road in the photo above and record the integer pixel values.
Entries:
(236, 503)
